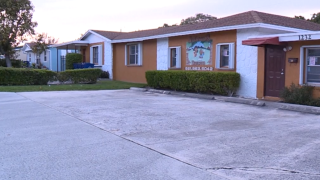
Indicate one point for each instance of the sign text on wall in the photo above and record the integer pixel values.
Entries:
(305, 37)
(199, 68)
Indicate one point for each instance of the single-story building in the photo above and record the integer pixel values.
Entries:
(33, 58)
(250, 43)
(20, 54)
(52, 58)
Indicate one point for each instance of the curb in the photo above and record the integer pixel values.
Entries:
(252, 102)
(138, 89)
(158, 91)
(200, 96)
(300, 108)
(245, 101)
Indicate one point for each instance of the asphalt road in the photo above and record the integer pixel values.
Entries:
(134, 135)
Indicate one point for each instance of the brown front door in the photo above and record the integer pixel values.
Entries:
(275, 70)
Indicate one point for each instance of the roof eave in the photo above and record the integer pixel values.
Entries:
(223, 28)
(92, 32)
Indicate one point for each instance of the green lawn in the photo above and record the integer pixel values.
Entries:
(101, 85)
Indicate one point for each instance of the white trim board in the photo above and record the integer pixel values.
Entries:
(290, 36)
(70, 42)
(94, 33)
(224, 28)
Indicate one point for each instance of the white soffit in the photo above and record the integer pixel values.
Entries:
(301, 36)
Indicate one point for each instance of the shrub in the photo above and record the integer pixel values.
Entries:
(80, 75)
(15, 63)
(224, 83)
(72, 58)
(296, 94)
(19, 76)
(104, 74)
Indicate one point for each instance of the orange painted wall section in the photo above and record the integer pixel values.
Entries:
(292, 70)
(217, 37)
(136, 74)
(261, 72)
(87, 51)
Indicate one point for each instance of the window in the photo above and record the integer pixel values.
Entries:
(96, 55)
(45, 56)
(133, 54)
(29, 57)
(313, 65)
(175, 57)
(225, 56)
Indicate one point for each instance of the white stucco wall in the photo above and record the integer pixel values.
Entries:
(247, 64)
(108, 59)
(94, 39)
(247, 60)
(162, 54)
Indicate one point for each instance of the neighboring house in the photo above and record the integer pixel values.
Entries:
(43, 59)
(250, 43)
(20, 54)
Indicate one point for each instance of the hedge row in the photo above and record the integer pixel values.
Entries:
(72, 58)
(296, 94)
(15, 63)
(80, 75)
(223, 83)
(21, 76)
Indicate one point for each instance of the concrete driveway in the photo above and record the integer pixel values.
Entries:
(134, 135)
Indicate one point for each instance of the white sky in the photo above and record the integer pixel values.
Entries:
(68, 19)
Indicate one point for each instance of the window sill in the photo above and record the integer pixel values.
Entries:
(314, 84)
(225, 69)
(134, 65)
(173, 68)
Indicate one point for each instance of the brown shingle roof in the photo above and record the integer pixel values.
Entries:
(249, 17)
(108, 34)
(286, 21)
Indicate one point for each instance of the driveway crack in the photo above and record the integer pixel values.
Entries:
(266, 170)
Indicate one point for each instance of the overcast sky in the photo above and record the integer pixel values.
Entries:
(68, 19)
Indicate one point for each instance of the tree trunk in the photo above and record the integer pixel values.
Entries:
(8, 61)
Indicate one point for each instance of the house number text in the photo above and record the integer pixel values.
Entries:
(305, 37)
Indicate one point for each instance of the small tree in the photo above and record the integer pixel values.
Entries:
(300, 17)
(315, 18)
(15, 23)
(197, 19)
(42, 41)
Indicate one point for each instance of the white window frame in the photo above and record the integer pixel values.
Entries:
(45, 56)
(231, 55)
(29, 57)
(139, 60)
(99, 55)
(178, 57)
(305, 66)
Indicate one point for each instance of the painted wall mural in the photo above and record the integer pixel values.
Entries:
(199, 52)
